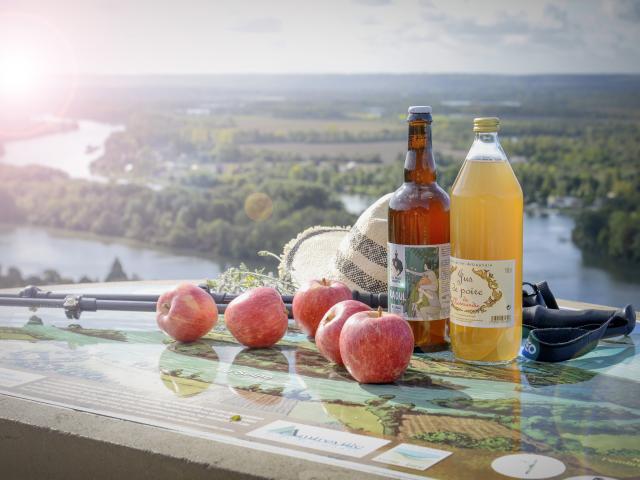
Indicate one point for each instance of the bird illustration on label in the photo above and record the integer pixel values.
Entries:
(397, 265)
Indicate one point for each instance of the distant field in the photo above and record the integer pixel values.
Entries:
(388, 151)
(273, 124)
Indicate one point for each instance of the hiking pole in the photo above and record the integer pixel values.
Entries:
(374, 300)
(74, 304)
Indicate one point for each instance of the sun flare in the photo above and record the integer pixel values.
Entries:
(20, 74)
(37, 74)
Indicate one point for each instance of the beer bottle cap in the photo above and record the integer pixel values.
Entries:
(420, 109)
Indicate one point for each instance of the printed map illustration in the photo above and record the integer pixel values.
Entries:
(584, 413)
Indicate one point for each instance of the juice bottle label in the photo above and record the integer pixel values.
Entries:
(482, 292)
(419, 281)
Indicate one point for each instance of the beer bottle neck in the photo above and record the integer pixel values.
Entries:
(419, 165)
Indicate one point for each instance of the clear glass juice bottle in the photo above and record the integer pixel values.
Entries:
(418, 263)
(486, 253)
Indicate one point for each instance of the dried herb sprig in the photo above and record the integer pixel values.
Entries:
(241, 278)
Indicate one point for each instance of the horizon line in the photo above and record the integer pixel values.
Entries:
(354, 74)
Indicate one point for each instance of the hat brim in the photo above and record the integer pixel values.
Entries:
(311, 254)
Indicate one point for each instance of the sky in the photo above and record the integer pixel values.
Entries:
(328, 36)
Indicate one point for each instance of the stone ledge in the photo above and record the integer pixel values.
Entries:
(43, 441)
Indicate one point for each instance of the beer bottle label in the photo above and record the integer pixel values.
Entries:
(482, 292)
(418, 278)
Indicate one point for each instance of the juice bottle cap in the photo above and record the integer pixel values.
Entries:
(420, 109)
(486, 124)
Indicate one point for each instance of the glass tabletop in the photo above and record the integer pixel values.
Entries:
(442, 419)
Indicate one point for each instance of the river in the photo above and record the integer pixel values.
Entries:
(549, 252)
(34, 249)
(71, 150)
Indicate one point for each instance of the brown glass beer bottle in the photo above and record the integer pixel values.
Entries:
(418, 247)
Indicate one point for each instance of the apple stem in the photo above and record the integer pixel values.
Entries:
(166, 306)
(325, 282)
(379, 312)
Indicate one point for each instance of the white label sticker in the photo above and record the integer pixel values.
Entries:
(412, 456)
(528, 466)
(14, 378)
(482, 292)
(318, 438)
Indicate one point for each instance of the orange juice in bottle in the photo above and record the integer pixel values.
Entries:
(486, 253)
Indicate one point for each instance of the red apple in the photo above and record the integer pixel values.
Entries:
(186, 313)
(312, 301)
(328, 333)
(257, 318)
(376, 347)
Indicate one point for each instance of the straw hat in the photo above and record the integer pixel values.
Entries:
(356, 256)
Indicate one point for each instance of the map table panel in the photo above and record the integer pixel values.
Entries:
(442, 419)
